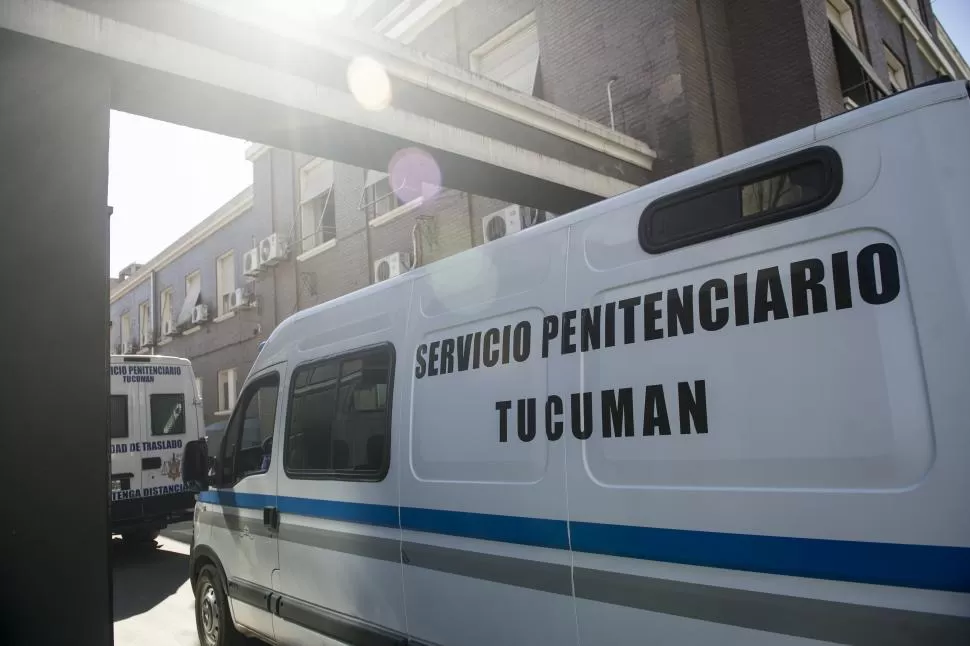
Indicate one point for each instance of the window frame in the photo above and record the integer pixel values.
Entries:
(232, 378)
(372, 199)
(111, 435)
(145, 331)
(246, 394)
(190, 277)
(124, 329)
(847, 7)
(222, 279)
(895, 66)
(151, 410)
(827, 156)
(505, 38)
(319, 234)
(166, 295)
(343, 476)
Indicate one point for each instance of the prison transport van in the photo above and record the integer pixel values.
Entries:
(154, 410)
(729, 407)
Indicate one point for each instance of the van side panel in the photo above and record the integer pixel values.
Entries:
(796, 415)
(483, 501)
(339, 537)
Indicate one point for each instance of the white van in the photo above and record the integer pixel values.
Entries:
(154, 411)
(729, 407)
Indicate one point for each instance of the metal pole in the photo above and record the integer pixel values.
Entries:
(609, 99)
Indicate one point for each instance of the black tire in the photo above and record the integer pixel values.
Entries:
(212, 619)
(140, 536)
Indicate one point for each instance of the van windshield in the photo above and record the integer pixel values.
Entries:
(168, 414)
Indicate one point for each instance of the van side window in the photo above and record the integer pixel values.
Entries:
(248, 442)
(339, 420)
(795, 185)
(118, 416)
(168, 414)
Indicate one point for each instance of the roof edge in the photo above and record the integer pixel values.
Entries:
(220, 218)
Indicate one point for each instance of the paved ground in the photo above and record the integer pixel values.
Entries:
(153, 604)
(152, 599)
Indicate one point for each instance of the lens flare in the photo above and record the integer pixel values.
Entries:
(414, 173)
(369, 83)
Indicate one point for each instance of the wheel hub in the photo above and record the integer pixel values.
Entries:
(209, 614)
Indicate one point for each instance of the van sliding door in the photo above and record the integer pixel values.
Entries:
(483, 501)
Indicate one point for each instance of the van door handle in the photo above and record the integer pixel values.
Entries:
(271, 517)
(151, 463)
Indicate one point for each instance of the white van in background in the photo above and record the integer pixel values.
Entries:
(154, 411)
(730, 407)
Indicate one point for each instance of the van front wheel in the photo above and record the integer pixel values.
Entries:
(212, 619)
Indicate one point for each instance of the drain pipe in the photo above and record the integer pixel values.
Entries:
(609, 99)
(151, 310)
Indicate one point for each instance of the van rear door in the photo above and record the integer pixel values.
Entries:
(169, 400)
(126, 431)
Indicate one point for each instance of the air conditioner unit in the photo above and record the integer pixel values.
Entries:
(200, 314)
(127, 348)
(502, 223)
(389, 266)
(251, 262)
(241, 299)
(168, 328)
(272, 249)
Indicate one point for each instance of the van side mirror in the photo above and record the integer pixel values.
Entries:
(195, 466)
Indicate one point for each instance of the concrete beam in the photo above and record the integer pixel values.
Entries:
(186, 64)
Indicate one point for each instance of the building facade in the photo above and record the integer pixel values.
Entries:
(694, 79)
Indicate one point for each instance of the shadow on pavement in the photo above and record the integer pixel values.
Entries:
(144, 576)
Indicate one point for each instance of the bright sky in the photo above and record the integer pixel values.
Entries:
(955, 16)
(164, 179)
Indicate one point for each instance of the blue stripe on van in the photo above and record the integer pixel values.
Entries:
(540, 532)
(895, 564)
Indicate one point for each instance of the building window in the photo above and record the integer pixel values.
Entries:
(167, 322)
(842, 16)
(917, 9)
(118, 416)
(227, 390)
(511, 57)
(379, 196)
(318, 219)
(193, 291)
(145, 324)
(168, 414)
(125, 333)
(317, 209)
(338, 421)
(226, 281)
(897, 71)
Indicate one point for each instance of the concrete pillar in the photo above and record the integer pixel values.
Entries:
(54, 333)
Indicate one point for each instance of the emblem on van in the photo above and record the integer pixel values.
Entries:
(173, 468)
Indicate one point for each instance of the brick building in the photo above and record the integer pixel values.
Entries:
(694, 79)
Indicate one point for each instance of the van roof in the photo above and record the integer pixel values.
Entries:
(897, 104)
(151, 359)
